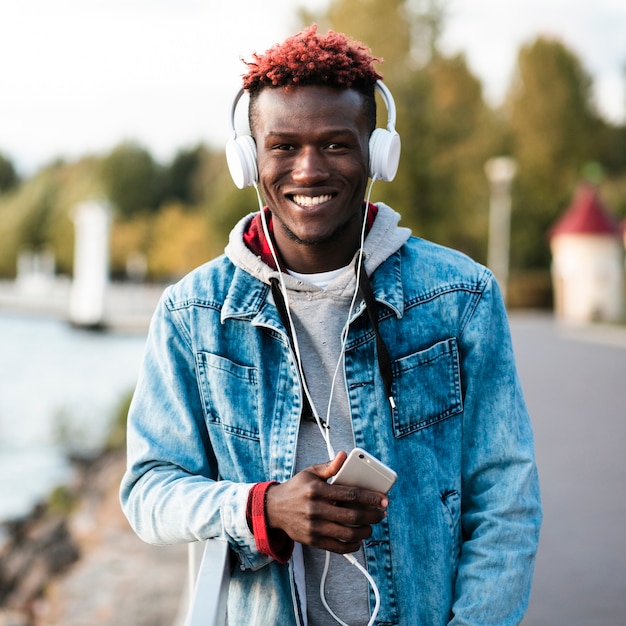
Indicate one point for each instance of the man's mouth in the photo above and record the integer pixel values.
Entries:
(309, 201)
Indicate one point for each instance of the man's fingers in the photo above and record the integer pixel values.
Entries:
(330, 468)
(336, 537)
(313, 512)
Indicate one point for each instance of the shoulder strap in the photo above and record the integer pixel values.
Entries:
(384, 361)
(281, 307)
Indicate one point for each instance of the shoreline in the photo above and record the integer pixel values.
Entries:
(74, 559)
(128, 306)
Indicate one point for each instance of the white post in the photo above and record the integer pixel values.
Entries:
(500, 172)
(91, 264)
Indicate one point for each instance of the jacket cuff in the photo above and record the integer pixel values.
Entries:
(269, 541)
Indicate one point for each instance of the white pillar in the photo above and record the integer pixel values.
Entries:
(500, 172)
(91, 264)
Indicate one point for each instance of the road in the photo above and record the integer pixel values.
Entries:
(575, 386)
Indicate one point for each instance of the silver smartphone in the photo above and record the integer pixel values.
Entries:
(361, 469)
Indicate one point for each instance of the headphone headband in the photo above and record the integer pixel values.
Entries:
(384, 146)
(383, 90)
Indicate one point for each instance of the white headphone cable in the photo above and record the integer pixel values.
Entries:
(344, 338)
(344, 332)
(351, 558)
(324, 427)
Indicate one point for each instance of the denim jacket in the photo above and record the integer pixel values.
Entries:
(218, 405)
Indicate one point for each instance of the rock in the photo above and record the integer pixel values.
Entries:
(14, 618)
(86, 567)
(39, 547)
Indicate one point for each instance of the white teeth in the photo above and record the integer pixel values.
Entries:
(311, 200)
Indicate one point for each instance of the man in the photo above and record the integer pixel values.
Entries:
(250, 384)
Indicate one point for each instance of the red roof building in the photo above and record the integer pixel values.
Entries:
(586, 215)
(587, 261)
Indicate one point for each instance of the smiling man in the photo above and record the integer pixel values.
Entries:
(324, 327)
(312, 145)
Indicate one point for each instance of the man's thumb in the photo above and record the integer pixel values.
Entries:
(330, 468)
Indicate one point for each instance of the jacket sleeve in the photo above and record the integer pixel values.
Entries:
(500, 508)
(170, 491)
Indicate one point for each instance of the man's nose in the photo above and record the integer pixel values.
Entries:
(310, 166)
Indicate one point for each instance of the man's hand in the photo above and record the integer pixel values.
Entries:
(330, 517)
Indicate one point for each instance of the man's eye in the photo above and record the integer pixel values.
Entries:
(283, 147)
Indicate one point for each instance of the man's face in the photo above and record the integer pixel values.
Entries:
(312, 146)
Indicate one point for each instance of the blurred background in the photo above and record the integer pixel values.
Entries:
(113, 183)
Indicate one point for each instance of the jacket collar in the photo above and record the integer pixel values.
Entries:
(387, 284)
(249, 298)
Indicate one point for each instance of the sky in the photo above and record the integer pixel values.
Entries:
(80, 76)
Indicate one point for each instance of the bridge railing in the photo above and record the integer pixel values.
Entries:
(209, 575)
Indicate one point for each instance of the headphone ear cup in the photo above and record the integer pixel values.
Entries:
(384, 148)
(241, 159)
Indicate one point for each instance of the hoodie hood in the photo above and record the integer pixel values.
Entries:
(385, 238)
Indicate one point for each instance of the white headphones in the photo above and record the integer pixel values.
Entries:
(384, 147)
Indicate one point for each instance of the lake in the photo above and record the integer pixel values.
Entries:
(60, 388)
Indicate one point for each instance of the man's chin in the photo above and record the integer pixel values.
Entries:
(317, 240)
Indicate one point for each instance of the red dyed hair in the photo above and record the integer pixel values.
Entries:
(308, 58)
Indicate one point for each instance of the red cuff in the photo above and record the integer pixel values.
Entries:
(269, 541)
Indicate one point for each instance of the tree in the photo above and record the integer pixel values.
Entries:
(179, 177)
(131, 179)
(8, 175)
(404, 33)
(447, 130)
(448, 133)
(179, 241)
(382, 25)
(27, 218)
(554, 125)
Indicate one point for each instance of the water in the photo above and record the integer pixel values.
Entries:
(59, 390)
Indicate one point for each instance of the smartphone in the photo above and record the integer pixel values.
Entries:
(361, 469)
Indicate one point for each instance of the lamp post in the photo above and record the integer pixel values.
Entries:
(500, 172)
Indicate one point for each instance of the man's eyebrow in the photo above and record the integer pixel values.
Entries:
(331, 132)
(282, 134)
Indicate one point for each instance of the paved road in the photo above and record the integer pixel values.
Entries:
(575, 386)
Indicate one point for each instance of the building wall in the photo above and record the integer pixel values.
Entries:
(588, 276)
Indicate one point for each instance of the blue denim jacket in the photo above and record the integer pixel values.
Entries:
(217, 409)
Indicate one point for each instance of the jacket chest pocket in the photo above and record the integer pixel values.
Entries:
(426, 387)
(229, 393)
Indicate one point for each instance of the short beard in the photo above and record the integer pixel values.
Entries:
(332, 237)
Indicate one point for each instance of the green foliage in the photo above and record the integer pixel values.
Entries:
(116, 439)
(447, 130)
(179, 214)
(37, 215)
(610, 142)
(130, 177)
(554, 126)
(130, 238)
(404, 33)
(8, 176)
(62, 501)
(551, 112)
(179, 178)
(179, 241)
(613, 194)
(448, 136)
(448, 133)
(382, 26)
(174, 236)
